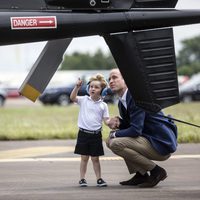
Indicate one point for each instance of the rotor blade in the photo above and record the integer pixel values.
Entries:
(44, 68)
(154, 3)
(147, 62)
(93, 5)
(86, 4)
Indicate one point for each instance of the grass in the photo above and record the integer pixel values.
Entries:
(54, 122)
(189, 112)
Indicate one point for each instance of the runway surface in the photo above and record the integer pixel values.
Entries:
(49, 170)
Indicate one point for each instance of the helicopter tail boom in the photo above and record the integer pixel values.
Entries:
(22, 27)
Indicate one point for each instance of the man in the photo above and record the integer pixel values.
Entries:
(141, 137)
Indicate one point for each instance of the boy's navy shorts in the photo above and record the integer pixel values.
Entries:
(89, 144)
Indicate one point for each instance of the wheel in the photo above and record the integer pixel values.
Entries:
(2, 101)
(63, 100)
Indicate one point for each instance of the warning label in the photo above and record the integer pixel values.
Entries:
(43, 22)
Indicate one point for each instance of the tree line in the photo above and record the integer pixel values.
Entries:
(86, 61)
(188, 59)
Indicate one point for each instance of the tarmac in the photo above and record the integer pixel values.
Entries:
(49, 170)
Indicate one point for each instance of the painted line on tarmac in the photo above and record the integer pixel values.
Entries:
(34, 152)
(75, 159)
(185, 156)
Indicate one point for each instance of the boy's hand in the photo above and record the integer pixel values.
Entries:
(79, 83)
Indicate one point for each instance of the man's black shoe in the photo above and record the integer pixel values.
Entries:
(158, 174)
(135, 180)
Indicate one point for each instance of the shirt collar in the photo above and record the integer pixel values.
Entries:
(93, 100)
(123, 98)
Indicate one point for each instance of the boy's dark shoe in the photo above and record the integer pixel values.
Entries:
(157, 174)
(101, 183)
(135, 180)
(83, 183)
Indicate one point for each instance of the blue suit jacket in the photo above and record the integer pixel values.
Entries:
(161, 132)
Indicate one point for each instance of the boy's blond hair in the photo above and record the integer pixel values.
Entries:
(100, 78)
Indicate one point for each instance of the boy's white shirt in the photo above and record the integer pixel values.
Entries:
(92, 113)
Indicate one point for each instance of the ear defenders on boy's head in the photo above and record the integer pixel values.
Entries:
(88, 87)
(104, 92)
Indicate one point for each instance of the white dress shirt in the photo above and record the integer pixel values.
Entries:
(123, 98)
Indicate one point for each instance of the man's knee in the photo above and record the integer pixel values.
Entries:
(116, 145)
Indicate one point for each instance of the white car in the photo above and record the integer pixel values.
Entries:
(3, 96)
(190, 91)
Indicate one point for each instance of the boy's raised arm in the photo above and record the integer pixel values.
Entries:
(73, 95)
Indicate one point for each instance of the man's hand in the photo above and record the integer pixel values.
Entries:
(110, 137)
(113, 123)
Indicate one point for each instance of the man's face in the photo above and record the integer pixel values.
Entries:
(116, 81)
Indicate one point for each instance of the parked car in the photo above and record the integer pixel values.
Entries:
(13, 92)
(3, 96)
(61, 95)
(182, 79)
(190, 91)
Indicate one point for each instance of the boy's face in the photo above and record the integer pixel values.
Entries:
(95, 89)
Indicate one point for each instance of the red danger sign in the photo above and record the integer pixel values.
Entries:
(43, 22)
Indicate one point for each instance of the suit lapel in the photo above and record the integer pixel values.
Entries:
(128, 98)
(122, 109)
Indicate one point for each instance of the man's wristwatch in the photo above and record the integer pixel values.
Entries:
(112, 134)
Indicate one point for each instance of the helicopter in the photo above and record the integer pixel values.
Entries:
(138, 33)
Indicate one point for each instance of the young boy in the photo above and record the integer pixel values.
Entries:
(92, 112)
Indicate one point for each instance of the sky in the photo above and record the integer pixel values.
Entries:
(17, 58)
